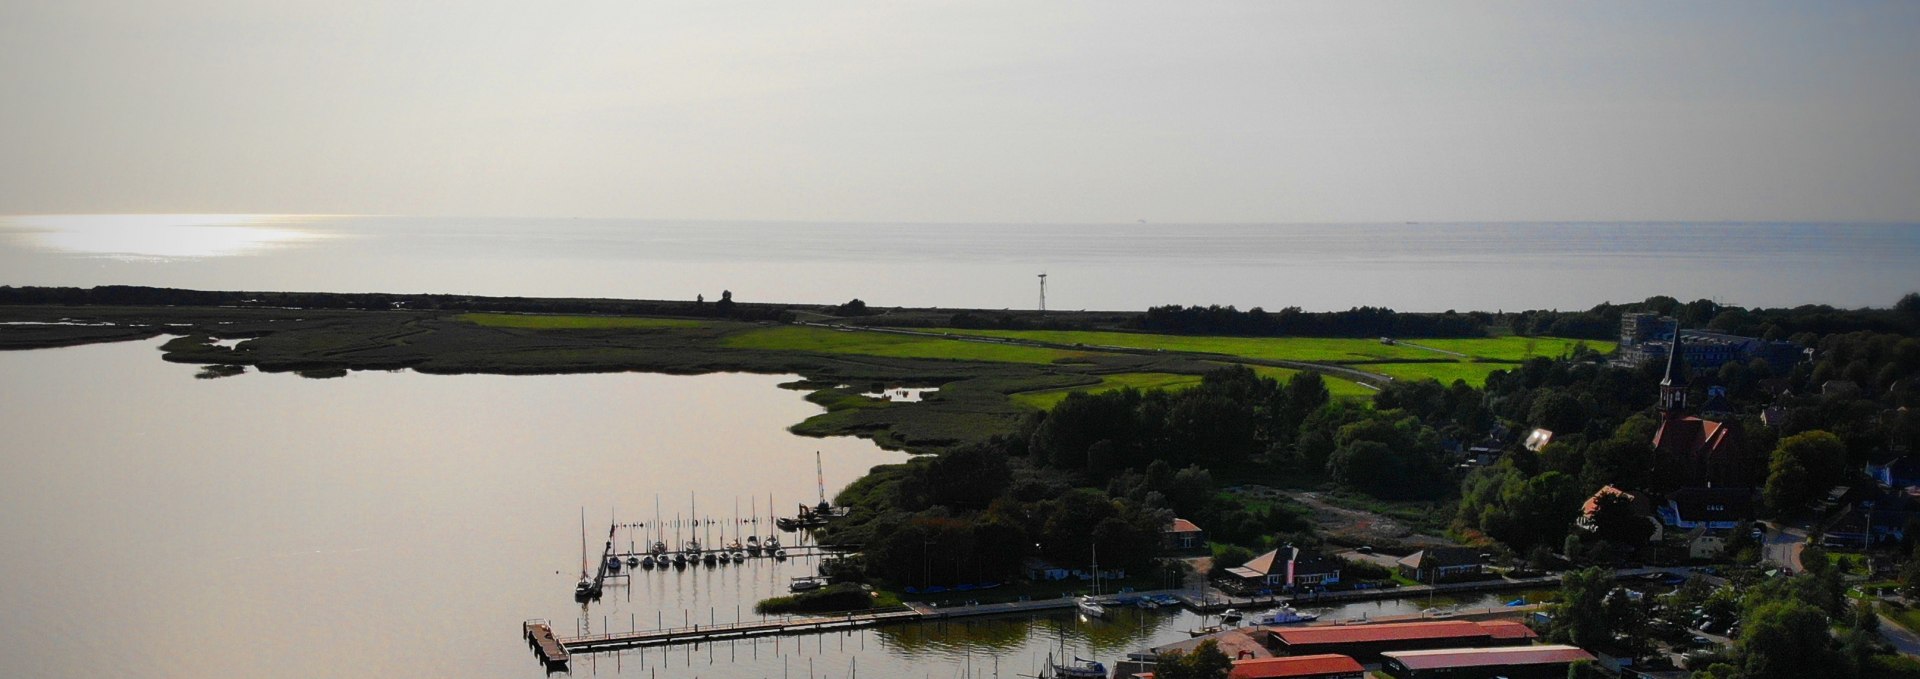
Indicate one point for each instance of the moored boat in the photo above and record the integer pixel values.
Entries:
(1080, 668)
(1287, 615)
(1090, 608)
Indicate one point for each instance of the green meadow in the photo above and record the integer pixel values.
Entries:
(1310, 349)
(1512, 347)
(1337, 387)
(546, 322)
(1475, 374)
(1314, 349)
(1047, 398)
(824, 341)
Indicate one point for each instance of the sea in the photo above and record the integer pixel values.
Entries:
(1317, 267)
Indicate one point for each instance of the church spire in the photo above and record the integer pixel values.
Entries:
(1673, 387)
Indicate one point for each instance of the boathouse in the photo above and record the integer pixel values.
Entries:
(1297, 667)
(1367, 643)
(1532, 662)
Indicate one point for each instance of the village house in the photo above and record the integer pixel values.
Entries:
(1181, 535)
(1900, 472)
(1705, 544)
(1288, 566)
(1636, 502)
(1690, 508)
(1440, 564)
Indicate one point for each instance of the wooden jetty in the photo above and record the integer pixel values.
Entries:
(737, 630)
(539, 635)
(810, 625)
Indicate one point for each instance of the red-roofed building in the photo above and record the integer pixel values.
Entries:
(1325, 666)
(1509, 630)
(1530, 662)
(1182, 535)
(1288, 566)
(1366, 642)
(1297, 667)
(1708, 452)
(1700, 451)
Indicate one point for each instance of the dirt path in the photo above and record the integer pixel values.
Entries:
(1359, 525)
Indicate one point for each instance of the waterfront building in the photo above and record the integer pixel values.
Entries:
(1288, 566)
(1532, 662)
(1440, 564)
(1181, 535)
(1367, 643)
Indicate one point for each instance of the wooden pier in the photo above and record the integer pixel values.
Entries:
(812, 625)
(552, 653)
(737, 630)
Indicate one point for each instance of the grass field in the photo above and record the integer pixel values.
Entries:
(1313, 349)
(1336, 387)
(545, 322)
(1317, 349)
(1046, 399)
(1474, 373)
(1512, 348)
(820, 340)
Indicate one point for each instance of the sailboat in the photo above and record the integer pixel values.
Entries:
(587, 589)
(1087, 605)
(1080, 668)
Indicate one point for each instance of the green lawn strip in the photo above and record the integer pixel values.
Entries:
(821, 340)
(546, 322)
(1905, 617)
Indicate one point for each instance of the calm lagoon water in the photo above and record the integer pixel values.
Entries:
(1413, 267)
(403, 525)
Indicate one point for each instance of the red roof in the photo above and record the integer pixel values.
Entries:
(1294, 666)
(1399, 631)
(1507, 629)
(1183, 526)
(1448, 658)
(1692, 435)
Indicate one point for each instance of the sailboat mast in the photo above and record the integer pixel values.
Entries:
(583, 543)
(820, 476)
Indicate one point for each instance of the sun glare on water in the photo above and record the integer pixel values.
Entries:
(162, 236)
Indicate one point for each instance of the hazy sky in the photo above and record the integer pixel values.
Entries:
(965, 111)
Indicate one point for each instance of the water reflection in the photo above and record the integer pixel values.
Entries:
(162, 236)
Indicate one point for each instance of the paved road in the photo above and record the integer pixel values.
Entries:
(1907, 642)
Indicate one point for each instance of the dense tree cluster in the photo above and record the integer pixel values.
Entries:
(1291, 321)
(1235, 418)
(1603, 321)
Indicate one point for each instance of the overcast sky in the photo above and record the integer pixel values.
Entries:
(965, 111)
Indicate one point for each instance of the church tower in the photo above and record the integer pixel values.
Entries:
(1673, 387)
